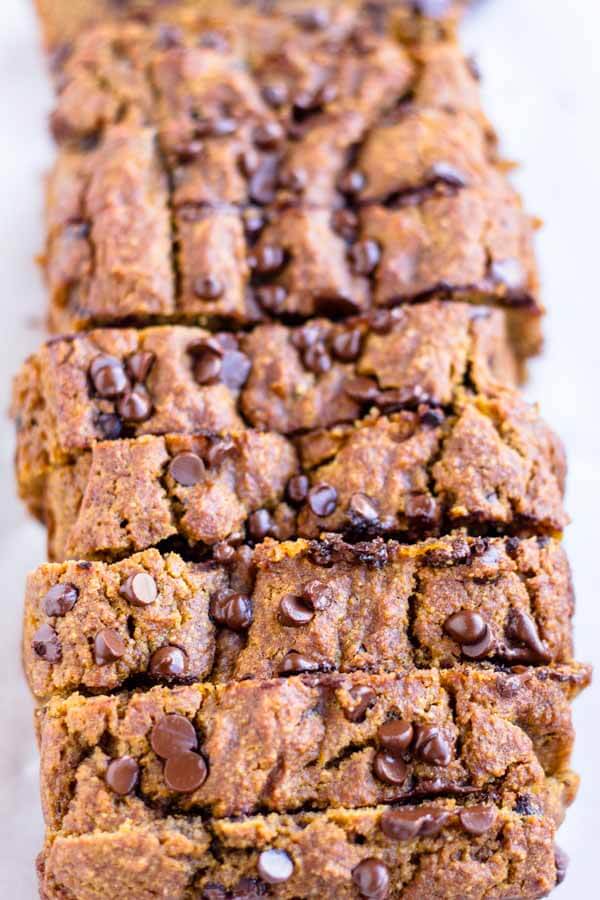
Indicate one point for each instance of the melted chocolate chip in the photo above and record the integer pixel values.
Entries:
(365, 256)
(477, 820)
(207, 364)
(122, 775)
(108, 376)
(421, 509)
(317, 594)
(110, 426)
(363, 508)
(521, 629)
(232, 610)
(389, 769)
(405, 824)
(139, 365)
(185, 772)
(139, 589)
(431, 747)
(268, 259)
(316, 359)
(361, 389)
(372, 878)
(235, 369)
(187, 469)
(60, 599)
(294, 663)
(361, 699)
(297, 489)
(173, 734)
(46, 644)
(260, 524)
(352, 182)
(294, 611)
(208, 288)
(346, 345)
(471, 631)
(395, 736)
(272, 297)
(322, 499)
(268, 135)
(135, 405)
(108, 647)
(345, 223)
(167, 663)
(275, 866)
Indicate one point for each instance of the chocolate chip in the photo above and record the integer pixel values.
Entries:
(389, 768)
(275, 94)
(275, 866)
(395, 736)
(268, 258)
(352, 182)
(122, 775)
(218, 452)
(108, 376)
(139, 589)
(363, 508)
(421, 509)
(46, 644)
(294, 612)
(508, 273)
(522, 629)
(361, 698)
(317, 594)
(295, 180)
(223, 553)
(108, 647)
(322, 499)
(297, 489)
(232, 610)
(260, 524)
(313, 19)
(110, 426)
(361, 389)
(345, 223)
(235, 369)
(187, 469)
(185, 772)
(167, 663)
(223, 127)
(447, 174)
(316, 359)
(562, 864)
(365, 256)
(268, 135)
(347, 344)
(431, 417)
(253, 220)
(294, 663)
(60, 599)
(431, 747)
(262, 189)
(471, 631)
(140, 364)
(272, 297)
(173, 734)
(381, 321)
(477, 819)
(208, 288)
(405, 824)
(307, 336)
(372, 878)
(207, 364)
(135, 405)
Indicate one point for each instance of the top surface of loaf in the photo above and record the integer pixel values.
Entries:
(63, 20)
(246, 168)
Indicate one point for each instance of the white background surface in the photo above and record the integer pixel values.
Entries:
(541, 66)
